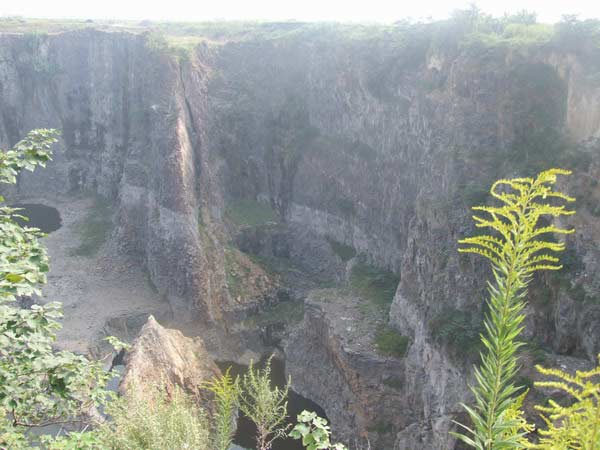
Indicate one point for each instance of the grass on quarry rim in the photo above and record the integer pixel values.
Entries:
(484, 31)
(222, 30)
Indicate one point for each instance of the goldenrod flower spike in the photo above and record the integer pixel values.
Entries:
(517, 246)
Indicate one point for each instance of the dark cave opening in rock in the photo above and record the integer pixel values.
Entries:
(44, 217)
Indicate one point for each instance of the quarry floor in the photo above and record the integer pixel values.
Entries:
(93, 288)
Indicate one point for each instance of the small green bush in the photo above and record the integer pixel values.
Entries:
(473, 193)
(233, 272)
(381, 428)
(524, 382)
(314, 432)
(535, 351)
(345, 252)
(155, 422)
(390, 342)
(375, 285)
(459, 330)
(264, 404)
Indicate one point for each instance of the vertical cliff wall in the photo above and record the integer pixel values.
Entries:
(130, 134)
(385, 149)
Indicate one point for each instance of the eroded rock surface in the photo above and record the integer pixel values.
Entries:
(166, 358)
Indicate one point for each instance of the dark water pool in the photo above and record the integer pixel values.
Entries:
(246, 431)
(43, 217)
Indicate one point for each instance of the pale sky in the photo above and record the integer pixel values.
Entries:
(302, 10)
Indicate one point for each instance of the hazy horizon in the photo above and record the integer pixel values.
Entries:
(376, 11)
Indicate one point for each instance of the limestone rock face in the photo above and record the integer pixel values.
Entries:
(166, 358)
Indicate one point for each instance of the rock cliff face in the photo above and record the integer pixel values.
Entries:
(378, 146)
(362, 391)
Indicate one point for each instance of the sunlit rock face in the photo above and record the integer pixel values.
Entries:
(378, 146)
(166, 359)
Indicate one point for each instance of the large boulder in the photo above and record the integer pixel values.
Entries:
(166, 358)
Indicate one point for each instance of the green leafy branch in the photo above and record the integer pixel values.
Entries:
(314, 432)
(39, 386)
(266, 406)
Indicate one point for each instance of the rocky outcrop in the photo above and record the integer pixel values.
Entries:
(332, 360)
(166, 358)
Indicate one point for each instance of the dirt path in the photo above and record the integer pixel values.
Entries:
(93, 289)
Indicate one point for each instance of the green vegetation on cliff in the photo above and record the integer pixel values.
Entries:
(459, 330)
(375, 285)
(288, 312)
(469, 29)
(95, 227)
(390, 342)
(345, 252)
(250, 213)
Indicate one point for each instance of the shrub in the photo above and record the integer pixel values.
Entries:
(250, 213)
(576, 35)
(390, 342)
(374, 285)
(155, 421)
(345, 252)
(393, 382)
(264, 405)
(346, 207)
(314, 432)
(458, 329)
(473, 193)
(157, 42)
(39, 386)
(285, 312)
